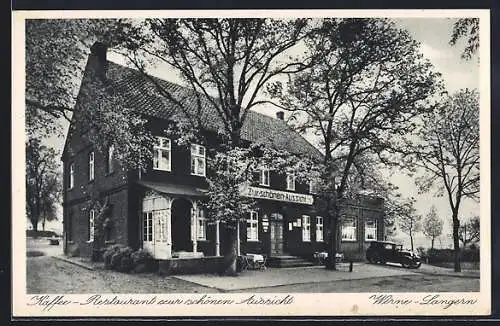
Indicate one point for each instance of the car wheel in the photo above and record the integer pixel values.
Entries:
(417, 265)
(405, 265)
(370, 260)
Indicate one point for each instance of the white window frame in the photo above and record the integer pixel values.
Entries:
(197, 158)
(201, 224)
(290, 181)
(158, 150)
(91, 166)
(371, 230)
(253, 226)
(147, 226)
(71, 182)
(91, 226)
(263, 180)
(306, 228)
(350, 230)
(319, 229)
(109, 161)
(156, 211)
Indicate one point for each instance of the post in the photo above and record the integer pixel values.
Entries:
(350, 266)
(169, 228)
(194, 220)
(217, 238)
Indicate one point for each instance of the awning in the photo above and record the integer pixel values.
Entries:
(174, 189)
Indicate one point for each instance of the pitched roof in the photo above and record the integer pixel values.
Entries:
(143, 96)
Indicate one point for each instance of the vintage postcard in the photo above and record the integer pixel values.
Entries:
(251, 163)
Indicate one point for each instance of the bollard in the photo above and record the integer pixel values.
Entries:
(350, 266)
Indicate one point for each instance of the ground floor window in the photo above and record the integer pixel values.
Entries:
(91, 225)
(306, 228)
(319, 228)
(253, 227)
(348, 229)
(201, 230)
(147, 232)
(370, 230)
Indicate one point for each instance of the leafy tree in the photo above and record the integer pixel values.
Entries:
(433, 226)
(409, 220)
(368, 84)
(446, 149)
(468, 232)
(468, 28)
(226, 63)
(42, 183)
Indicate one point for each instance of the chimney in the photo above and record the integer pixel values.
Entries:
(99, 50)
(280, 115)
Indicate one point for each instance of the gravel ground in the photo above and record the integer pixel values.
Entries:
(413, 283)
(49, 275)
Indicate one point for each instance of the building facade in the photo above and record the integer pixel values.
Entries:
(161, 210)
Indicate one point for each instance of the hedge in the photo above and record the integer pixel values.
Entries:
(124, 259)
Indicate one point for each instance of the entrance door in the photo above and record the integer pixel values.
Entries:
(276, 234)
(181, 225)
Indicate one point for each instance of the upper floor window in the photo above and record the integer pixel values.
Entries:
(306, 228)
(264, 177)
(370, 230)
(319, 228)
(349, 229)
(91, 166)
(290, 181)
(161, 154)
(71, 177)
(253, 227)
(91, 225)
(109, 159)
(198, 160)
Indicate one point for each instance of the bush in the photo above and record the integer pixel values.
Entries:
(142, 261)
(108, 254)
(448, 255)
(123, 259)
(41, 234)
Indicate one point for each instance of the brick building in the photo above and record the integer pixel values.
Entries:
(160, 210)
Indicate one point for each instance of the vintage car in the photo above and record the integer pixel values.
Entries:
(389, 252)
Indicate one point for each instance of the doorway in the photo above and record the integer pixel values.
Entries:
(276, 234)
(181, 225)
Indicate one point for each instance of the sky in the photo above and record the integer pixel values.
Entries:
(457, 73)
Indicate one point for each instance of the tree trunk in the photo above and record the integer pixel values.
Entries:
(332, 246)
(43, 224)
(432, 244)
(456, 242)
(411, 240)
(35, 226)
(229, 268)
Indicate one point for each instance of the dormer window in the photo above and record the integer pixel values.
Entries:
(290, 181)
(161, 154)
(264, 177)
(198, 160)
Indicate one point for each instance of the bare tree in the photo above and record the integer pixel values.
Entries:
(409, 221)
(432, 226)
(447, 151)
(369, 82)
